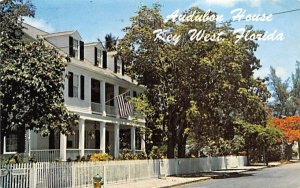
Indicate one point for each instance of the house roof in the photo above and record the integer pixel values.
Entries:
(91, 43)
(59, 34)
(32, 31)
(94, 44)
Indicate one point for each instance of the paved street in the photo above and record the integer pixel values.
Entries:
(286, 176)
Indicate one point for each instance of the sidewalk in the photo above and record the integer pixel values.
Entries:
(177, 181)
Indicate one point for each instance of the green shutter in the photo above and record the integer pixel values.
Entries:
(70, 84)
(71, 51)
(104, 59)
(82, 87)
(95, 57)
(81, 43)
(115, 64)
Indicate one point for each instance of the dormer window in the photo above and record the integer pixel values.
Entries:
(99, 58)
(75, 48)
(118, 68)
(117, 65)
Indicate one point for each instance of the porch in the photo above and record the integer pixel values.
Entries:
(88, 138)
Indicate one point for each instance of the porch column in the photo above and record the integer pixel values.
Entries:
(143, 145)
(28, 142)
(81, 136)
(102, 97)
(63, 147)
(132, 133)
(116, 93)
(116, 140)
(102, 136)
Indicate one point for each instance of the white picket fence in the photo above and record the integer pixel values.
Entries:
(80, 174)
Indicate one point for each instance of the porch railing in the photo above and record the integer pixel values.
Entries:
(49, 155)
(72, 153)
(45, 155)
(110, 110)
(96, 107)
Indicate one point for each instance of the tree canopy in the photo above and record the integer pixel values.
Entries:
(32, 78)
(195, 87)
(286, 94)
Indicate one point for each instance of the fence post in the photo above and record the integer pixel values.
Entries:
(104, 176)
(33, 176)
(73, 168)
(129, 171)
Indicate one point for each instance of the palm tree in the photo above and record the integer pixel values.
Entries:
(110, 42)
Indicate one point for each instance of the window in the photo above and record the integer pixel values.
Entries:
(11, 143)
(95, 91)
(134, 94)
(99, 58)
(118, 69)
(75, 85)
(117, 65)
(73, 140)
(75, 48)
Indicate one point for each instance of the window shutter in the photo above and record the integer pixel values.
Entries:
(115, 64)
(123, 68)
(71, 52)
(2, 141)
(21, 140)
(95, 57)
(81, 43)
(104, 59)
(70, 84)
(82, 87)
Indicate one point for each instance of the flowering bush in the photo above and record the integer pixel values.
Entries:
(101, 157)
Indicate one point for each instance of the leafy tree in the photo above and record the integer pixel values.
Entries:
(258, 139)
(290, 126)
(153, 131)
(194, 85)
(295, 92)
(32, 78)
(280, 94)
(286, 94)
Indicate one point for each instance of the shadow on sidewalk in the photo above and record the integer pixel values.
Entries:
(215, 175)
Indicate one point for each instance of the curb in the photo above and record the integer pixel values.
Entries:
(185, 183)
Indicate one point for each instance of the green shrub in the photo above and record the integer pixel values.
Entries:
(156, 153)
(142, 155)
(126, 154)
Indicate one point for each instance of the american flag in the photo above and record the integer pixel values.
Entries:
(125, 106)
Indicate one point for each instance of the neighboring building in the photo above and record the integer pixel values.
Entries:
(95, 78)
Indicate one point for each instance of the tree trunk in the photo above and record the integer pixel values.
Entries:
(171, 145)
(248, 156)
(265, 156)
(181, 140)
(181, 144)
(288, 151)
(171, 136)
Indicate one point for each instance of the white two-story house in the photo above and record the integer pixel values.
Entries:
(95, 78)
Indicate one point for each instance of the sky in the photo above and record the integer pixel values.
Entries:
(95, 18)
